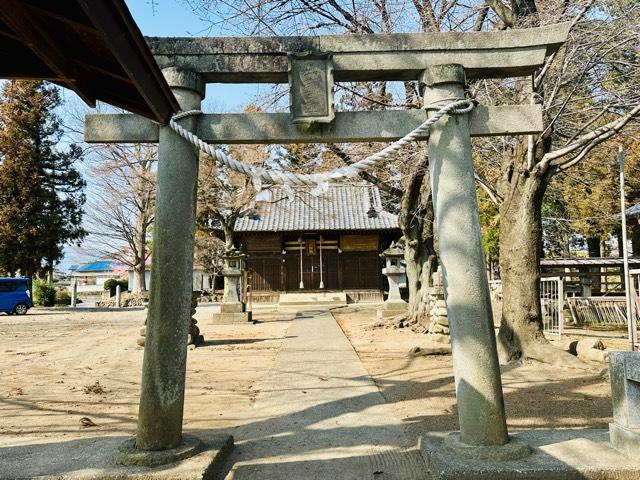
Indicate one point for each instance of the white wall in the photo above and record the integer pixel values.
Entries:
(132, 283)
(200, 280)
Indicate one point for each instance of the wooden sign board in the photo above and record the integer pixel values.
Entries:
(263, 243)
(311, 246)
(358, 243)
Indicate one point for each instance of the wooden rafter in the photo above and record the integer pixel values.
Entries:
(30, 30)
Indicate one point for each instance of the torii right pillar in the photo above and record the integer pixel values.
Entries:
(473, 342)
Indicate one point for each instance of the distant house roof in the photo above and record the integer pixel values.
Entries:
(633, 210)
(341, 207)
(101, 266)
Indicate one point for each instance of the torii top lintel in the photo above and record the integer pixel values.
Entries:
(400, 56)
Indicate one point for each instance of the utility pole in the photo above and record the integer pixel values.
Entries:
(631, 319)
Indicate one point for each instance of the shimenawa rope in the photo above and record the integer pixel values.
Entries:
(320, 181)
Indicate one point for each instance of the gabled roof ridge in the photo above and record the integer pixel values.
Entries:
(343, 206)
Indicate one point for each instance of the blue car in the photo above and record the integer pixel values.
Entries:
(15, 295)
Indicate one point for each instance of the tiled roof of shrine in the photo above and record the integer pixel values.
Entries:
(341, 207)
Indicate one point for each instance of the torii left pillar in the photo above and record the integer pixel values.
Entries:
(165, 351)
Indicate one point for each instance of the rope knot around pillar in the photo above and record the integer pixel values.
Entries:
(319, 181)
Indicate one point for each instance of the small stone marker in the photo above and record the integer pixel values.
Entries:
(74, 293)
(624, 432)
(118, 296)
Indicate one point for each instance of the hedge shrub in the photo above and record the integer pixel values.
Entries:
(63, 297)
(44, 294)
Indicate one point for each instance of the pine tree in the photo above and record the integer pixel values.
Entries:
(41, 191)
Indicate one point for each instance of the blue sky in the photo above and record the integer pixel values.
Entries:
(171, 18)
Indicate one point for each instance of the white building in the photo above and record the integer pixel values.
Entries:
(91, 276)
(201, 279)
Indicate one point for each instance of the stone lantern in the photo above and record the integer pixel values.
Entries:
(232, 308)
(396, 274)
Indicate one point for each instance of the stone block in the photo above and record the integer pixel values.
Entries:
(625, 440)
(230, 308)
(437, 328)
(439, 312)
(624, 432)
(398, 306)
(391, 309)
(92, 458)
(559, 454)
(439, 338)
(625, 389)
(442, 320)
(231, 318)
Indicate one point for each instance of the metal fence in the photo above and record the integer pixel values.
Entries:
(598, 310)
(495, 292)
(604, 310)
(551, 301)
(634, 285)
(552, 304)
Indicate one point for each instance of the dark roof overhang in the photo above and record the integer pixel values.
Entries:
(93, 47)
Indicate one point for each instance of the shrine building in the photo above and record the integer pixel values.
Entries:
(329, 242)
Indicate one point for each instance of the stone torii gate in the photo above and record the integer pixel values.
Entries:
(441, 62)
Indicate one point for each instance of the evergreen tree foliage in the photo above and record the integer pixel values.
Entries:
(41, 190)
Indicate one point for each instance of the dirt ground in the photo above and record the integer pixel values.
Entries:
(59, 366)
(421, 389)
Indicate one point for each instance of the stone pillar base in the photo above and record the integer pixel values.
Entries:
(231, 318)
(512, 450)
(128, 454)
(235, 307)
(392, 308)
(625, 440)
(566, 454)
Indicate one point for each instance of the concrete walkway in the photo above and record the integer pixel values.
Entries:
(320, 416)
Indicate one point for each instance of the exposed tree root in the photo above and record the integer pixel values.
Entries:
(404, 320)
(542, 351)
(429, 350)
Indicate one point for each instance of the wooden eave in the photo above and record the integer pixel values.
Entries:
(93, 47)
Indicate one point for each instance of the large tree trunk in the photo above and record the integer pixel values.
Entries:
(593, 246)
(416, 222)
(520, 252)
(521, 332)
(140, 267)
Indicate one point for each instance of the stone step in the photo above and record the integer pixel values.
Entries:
(311, 298)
